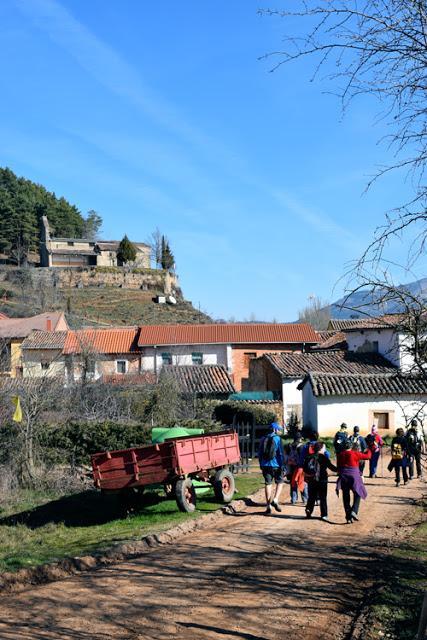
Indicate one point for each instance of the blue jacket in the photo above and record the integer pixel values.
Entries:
(279, 459)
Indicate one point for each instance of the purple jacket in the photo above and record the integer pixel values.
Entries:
(350, 478)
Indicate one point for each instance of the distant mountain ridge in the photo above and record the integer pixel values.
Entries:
(362, 302)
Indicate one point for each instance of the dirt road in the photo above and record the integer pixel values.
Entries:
(253, 577)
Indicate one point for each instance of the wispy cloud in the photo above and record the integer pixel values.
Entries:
(317, 220)
(104, 64)
(112, 71)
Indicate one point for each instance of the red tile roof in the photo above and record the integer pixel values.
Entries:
(331, 340)
(387, 321)
(190, 334)
(296, 365)
(111, 340)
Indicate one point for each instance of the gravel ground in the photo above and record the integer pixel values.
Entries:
(248, 576)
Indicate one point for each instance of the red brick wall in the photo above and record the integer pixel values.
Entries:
(241, 371)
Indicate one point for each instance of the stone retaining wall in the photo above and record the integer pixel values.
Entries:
(82, 277)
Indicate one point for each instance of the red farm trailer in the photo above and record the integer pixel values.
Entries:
(174, 463)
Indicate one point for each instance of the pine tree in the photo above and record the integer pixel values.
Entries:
(168, 260)
(126, 251)
(22, 204)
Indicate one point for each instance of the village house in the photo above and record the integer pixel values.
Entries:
(231, 345)
(75, 252)
(14, 331)
(282, 373)
(88, 354)
(386, 400)
(123, 350)
(367, 382)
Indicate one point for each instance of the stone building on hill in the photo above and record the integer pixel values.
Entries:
(80, 252)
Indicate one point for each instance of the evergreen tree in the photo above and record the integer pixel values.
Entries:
(168, 260)
(126, 251)
(22, 204)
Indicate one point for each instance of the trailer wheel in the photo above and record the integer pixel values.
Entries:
(185, 495)
(224, 485)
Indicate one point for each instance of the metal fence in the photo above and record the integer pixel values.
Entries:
(249, 438)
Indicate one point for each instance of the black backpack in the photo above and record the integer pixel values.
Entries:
(311, 467)
(340, 442)
(269, 448)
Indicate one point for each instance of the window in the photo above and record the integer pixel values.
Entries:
(45, 365)
(375, 346)
(121, 366)
(167, 358)
(197, 358)
(90, 365)
(247, 357)
(382, 420)
(70, 243)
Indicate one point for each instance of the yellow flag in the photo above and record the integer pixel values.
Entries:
(17, 416)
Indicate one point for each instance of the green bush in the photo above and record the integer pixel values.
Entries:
(74, 443)
(242, 413)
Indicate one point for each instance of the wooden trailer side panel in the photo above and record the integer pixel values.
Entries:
(140, 466)
(206, 452)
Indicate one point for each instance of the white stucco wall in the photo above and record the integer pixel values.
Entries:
(326, 414)
(292, 398)
(32, 360)
(406, 343)
(181, 355)
(388, 342)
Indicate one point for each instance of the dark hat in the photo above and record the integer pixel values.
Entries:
(343, 425)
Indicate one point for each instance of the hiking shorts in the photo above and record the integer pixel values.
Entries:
(273, 473)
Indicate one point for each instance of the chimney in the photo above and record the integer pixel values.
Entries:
(48, 324)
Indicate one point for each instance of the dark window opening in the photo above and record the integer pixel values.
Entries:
(197, 358)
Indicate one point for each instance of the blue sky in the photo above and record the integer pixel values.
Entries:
(160, 114)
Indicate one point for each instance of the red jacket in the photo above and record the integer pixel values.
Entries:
(350, 458)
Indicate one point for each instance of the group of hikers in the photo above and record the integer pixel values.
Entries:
(305, 465)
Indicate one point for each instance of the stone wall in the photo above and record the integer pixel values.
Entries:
(155, 280)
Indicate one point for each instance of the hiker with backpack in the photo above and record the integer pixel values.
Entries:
(415, 444)
(399, 457)
(308, 448)
(358, 443)
(374, 443)
(315, 467)
(350, 482)
(272, 463)
(340, 439)
(295, 472)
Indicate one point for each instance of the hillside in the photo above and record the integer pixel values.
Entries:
(366, 301)
(20, 295)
